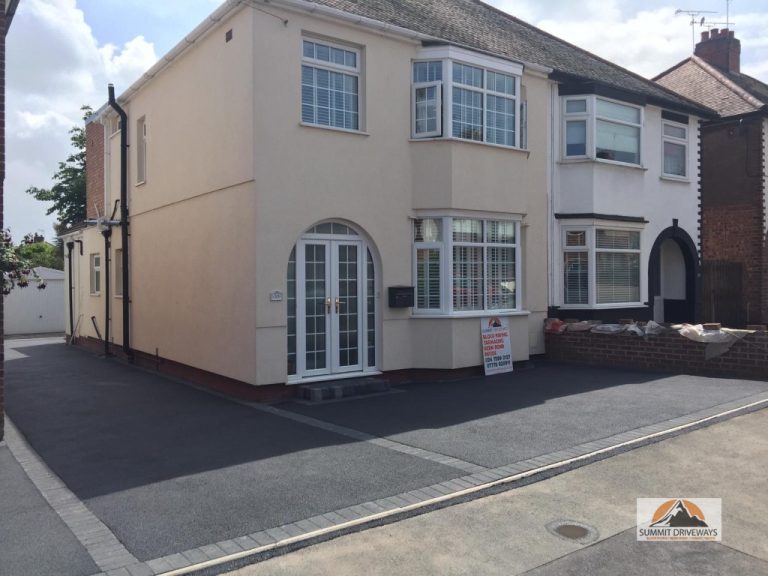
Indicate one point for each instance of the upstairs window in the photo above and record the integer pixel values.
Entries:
(141, 150)
(675, 140)
(464, 96)
(95, 274)
(598, 128)
(330, 85)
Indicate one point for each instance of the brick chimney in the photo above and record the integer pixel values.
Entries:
(721, 49)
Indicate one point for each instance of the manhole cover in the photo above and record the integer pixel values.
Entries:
(574, 531)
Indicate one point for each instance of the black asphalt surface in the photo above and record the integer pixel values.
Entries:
(624, 555)
(512, 417)
(33, 539)
(168, 467)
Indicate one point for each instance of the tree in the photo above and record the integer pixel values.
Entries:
(40, 253)
(15, 270)
(68, 191)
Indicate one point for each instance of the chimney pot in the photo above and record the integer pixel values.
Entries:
(715, 32)
(705, 36)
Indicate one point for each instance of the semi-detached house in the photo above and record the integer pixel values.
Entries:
(338, 188)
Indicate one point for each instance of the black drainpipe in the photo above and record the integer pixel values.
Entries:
(107, 246)
(123, 217)
(70, 247)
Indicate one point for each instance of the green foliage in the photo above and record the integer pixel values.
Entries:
(16, 270)
(68, 191)
(41, 254)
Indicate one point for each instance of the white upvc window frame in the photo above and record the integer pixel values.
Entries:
(438, 85)
(141, 151)
(355, 71)
(590, 230)
(450, 54)
(684, 142)
(446, 245)
(95, 273)
(592, 117)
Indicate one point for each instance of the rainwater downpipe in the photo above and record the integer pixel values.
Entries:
(107, 247)
(70, 247)
(124, 218)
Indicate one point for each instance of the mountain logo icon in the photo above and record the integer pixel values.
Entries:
(678, 514)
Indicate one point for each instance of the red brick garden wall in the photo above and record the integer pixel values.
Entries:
(669, 352)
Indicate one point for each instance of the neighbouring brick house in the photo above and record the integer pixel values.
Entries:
(734, 178)
(9, 9)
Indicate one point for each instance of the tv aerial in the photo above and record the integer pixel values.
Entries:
(694, 14)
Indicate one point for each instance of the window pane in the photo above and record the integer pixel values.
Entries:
(467, 75)
(427, 230)
(500, 83)
(618, 142)
(329, 98)
(576, 277)
(309, 49)
(467, 114)
(426, 109)
(467, 230)
(616, 111)
(500, 232)
(427, 71)
(467, 278)
(675, 131)
(617, 277)
(674, 159)
(618, 239)
(500, 120)
(428, 278)
(118, 262)
(575, 106)
(575, 238)
(501, 279)
(576, 138)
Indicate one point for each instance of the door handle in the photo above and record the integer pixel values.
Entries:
(328, 305)
(338, 303)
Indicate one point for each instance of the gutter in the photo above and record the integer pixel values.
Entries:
(123, 221)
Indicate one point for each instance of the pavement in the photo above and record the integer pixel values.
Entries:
(129, 473)
(506, 534)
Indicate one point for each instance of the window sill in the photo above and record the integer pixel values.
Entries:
(671, 178)
(477, 314)
(95, 294)
(473, 142)
(333, 129)
(567, 161)
(141, 183)
(600, 306)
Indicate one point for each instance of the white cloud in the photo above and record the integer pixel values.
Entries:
(54, 66)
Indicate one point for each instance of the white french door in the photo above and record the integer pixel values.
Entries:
(329, 307)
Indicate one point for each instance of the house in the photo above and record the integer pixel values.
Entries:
(734, 175)
(36, 311)
(8, 11)
(338, 188)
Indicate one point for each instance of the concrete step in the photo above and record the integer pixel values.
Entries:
(337, 389)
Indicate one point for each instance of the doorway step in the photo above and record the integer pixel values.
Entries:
(338, 389)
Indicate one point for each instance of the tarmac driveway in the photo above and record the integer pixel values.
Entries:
(169, 468)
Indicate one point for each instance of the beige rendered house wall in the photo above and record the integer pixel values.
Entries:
(234, 180)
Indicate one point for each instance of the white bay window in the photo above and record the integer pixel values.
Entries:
(464, 95)
(466, 265)
(601, 266)
(595, 127)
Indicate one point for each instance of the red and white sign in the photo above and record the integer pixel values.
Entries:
(497, 345)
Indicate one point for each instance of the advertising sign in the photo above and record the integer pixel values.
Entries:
(497, 345)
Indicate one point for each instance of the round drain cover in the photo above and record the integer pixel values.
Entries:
(574, 531)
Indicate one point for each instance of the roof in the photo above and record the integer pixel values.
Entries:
(49, 273)
(729, 93)
(474, 24)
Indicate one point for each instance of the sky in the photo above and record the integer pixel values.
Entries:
(61, 54)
